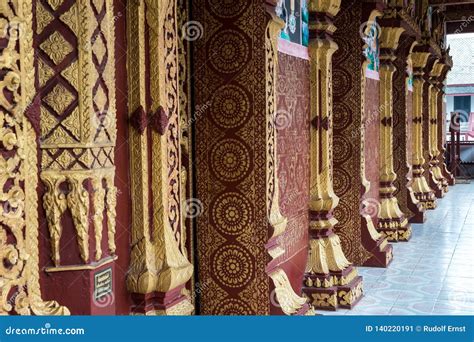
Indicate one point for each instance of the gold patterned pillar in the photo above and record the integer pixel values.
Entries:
(391, 220)
(75, 43)
(20, 291)
(420, 185)
(442, 130)
(159, 268)
(330, 279)
(436, 179)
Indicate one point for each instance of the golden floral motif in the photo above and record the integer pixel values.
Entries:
(233, 105)
(231, 51)
(231, 212)
(71, 19)
(228, 8)
(230, 160)
(43, 17)
(56, 47)
(233, 266)
(233, 306)
(55, 4)
(59, 98)
(20, 291)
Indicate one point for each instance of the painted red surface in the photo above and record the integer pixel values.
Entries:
(293, 162)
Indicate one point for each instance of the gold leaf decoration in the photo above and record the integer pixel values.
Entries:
(59, 99)
(56, 47)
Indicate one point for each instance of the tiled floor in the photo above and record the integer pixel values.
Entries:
(433, 273)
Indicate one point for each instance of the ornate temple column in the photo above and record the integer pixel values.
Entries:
(436, 179)
(20, 291)
(159, 268)
(420, 185)
(391, 220)
(399, 15)
(238, 233)
(356, 134)
(76, 98)
(441, 123)
(330, 279)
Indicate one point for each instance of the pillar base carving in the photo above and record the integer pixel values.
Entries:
(392, 223)
(437, 182)
(382, 255)
(331, 282)
(336, 297)
(423, 192)
(419, 213)
(447, 175)
(377, 245)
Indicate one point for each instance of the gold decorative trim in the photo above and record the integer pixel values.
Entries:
(78, 151)
(157, 262)
(392, 222)
(91, 266)
(420, 186)
(20, 292)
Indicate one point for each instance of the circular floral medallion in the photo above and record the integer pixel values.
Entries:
(230, 51)
(231, 213)
(233, 306)
(232, 266)
(230, 160)
(228, 8)
(342, 181)
(231, 105)
(342, 149)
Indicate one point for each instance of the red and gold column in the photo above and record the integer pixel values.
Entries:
(356, 134)
(436, 178)
(398, 15)
(159, 267)
(20, 291)
(330, 279)
(75, 44)
(441, 121)
(239, 234)
(420, 184)
(391, 220)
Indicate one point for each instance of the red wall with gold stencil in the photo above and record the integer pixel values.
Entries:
(293, 140)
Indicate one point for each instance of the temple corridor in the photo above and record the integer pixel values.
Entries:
(250, 157)
(433, 273)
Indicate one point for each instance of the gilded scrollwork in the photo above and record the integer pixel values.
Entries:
(77, 121)
(422, 191)
(391, 220)
(327, 266)
(158, 262)
(19, 274)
